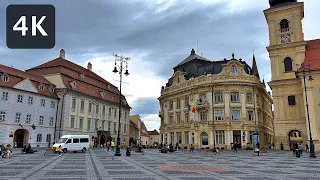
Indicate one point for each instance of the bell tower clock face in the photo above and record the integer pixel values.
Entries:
(285, 38)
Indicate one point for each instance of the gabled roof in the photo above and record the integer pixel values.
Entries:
(154, 132)
(16, 76)
(312, 55)
(191, 57)
(91, 84)
(143, 129)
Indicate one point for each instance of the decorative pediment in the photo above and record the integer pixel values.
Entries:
(26, 85)
(178, 78)
(233, 68)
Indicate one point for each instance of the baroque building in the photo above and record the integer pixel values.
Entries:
(28, 107)
(230, 104)
(288, 50)
(88, 104)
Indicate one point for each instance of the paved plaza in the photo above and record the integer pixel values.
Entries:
(98, 164)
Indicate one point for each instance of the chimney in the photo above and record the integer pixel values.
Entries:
(62, 54)
(89, 67)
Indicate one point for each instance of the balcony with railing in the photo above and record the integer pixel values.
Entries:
(202, 105)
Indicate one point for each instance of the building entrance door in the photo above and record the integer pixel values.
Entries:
(237, 139)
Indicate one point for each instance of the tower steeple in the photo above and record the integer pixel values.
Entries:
(263, 83)
(254, 66)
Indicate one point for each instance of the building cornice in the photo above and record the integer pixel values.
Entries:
(286, 45)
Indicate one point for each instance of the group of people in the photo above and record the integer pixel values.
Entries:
(5, 151)
(112, 145)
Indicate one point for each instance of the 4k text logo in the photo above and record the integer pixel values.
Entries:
(30, 26)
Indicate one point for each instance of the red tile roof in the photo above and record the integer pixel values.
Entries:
(92, 84)
(312, 55)
(154, 132)
(143, 129)
(16, 76)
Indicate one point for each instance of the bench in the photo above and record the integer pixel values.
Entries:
(53, 150)
(261, 151)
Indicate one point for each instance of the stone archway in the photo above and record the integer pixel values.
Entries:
(102, 140)
(294, 136)
(21, 137)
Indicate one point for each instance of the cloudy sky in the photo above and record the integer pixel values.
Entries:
(157, 35)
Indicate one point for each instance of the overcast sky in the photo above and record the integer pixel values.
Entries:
(157, 35)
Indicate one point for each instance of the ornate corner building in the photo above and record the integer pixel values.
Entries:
(215, 103)
(287, 49)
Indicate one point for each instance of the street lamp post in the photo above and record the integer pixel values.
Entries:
(121, 60)
(312, 153)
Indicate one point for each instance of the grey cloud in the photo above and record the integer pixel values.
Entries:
(144, 106)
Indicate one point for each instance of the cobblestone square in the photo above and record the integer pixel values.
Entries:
(98, 164)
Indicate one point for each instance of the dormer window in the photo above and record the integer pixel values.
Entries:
(178, 79)
(51, 89)
(82, 76)
(102, 93)
(41, 87)
(5, 77)
(73, 84)
(234, 70)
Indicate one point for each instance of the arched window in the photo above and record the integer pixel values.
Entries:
(204, 138)
(284, 25)
(295, 134)
(287, 64)
(234, 70)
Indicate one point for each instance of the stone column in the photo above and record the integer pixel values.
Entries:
(196, 139)
(226, 101)
(211, 138)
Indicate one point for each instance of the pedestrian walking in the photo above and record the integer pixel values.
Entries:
(108, 145)
(112, 145)
(300, 148)
(235, 149)
(307, 148)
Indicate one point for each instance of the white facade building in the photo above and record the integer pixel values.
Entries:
(28, 106)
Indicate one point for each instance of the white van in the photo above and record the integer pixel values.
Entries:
(73, 143)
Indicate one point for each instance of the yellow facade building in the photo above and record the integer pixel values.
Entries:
(215, 103)
(288, 50)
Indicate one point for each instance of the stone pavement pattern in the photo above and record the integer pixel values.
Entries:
(98, 164)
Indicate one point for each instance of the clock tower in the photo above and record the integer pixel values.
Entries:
(286, 49)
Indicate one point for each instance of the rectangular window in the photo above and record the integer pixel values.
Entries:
(115, 112)
(250, 115)
(203, 98)
(43, 102)
(179, 137)
(2, 116)
(72, 121)
(73, 105)
(203, 116)
(76, 140)
(97, 109)
(53, 104)
(291, 100)
(109, 126)
(39, 137)
(109, 115)
(236, 115)
(186, 137)
(125, 115)
(41, 120)
(84, 140)
(234, 96)
(171, 105)
(186, 101)
(115, 127)
(178, 104)
(96, 124)
(81, 123)
(125, 128)
(28, 119)
(220, 137)
(30, 100)
(48, 139)
(249, 97)
(178, 119)
(5, 96)
(103, 125)
(218, 98)
(51, 121)
(82, 106)
(18, 116)
(219, 115)
(89, 124)
(90, 108)
(19, 99)
(103, 111)
(186, 117)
